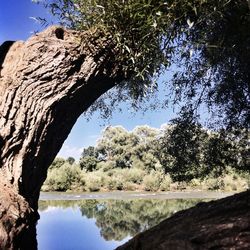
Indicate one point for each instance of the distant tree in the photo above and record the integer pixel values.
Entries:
(224, 149)
(116, 144)
(88, 163)
(89, 158)
(182, 149)
(145, 151)
(89, 151)
(57, 163)
(70, 160)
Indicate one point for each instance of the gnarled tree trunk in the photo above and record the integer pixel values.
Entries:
(45, 84)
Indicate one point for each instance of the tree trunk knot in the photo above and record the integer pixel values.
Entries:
(59, 32)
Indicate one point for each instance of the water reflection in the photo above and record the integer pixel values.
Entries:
(119, 219)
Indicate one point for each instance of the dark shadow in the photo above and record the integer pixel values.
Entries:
(59, 32)
(4, 48)
(27, 239)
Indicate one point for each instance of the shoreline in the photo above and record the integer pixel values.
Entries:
(120, 195)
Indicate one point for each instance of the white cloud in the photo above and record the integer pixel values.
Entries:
(68, 150)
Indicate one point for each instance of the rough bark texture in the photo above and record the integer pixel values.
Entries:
(18, 221)
(46, 83)
(221, 224)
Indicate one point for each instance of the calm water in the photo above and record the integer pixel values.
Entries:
(100, 224)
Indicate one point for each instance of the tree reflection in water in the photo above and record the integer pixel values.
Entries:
(118, 219)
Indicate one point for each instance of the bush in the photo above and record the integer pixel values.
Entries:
(166, 183)
(113, 183)
(128, 186)
(62, 179)
(234, 183)
(134, 175)
(195, 184)
(105, 165)
(152, 181)
(213, 183)
(70, 177)
(88, 163)
(57, 163)
(93, 182)
(227, 182)
(138, 164)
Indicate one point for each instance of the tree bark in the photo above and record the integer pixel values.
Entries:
(220, 224)
(17, 221)
(46, 83)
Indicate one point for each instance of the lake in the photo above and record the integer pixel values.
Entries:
(102, 221)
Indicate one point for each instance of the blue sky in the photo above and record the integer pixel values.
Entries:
(16, 23)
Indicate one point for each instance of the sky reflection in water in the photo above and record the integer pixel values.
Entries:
(99, 224)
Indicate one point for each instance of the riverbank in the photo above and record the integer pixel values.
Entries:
(72, 178)
(134, 195)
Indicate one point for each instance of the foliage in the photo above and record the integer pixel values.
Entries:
(166, 183)
(115, 145)
(125, 149)
(88, 162)
(70, 160)
(57, 163)
(182, 148)
(62, 178)
(208, 41)
(152, 182)
(207, 44)
(214, 68)
(182, 155)
(188, 151)
(93, 182)
(89, 151)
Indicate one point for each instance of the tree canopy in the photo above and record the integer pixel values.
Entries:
(174, 157)
(206, 41)
(184, 152)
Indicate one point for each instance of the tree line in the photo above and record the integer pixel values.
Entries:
(153, 159)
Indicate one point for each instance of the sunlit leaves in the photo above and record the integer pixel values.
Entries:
(208, 40)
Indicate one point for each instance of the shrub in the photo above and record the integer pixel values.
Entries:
(213, 183)
(88, 163)
(234, 183)
(195, 184)
(166, 182)
(105, 165)
(134, 175)
(138, 164)
(128, 186)
(62, 179)
(227, 182)
(113, 183)
(93, 182)
(152, 181)
(57, 163)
